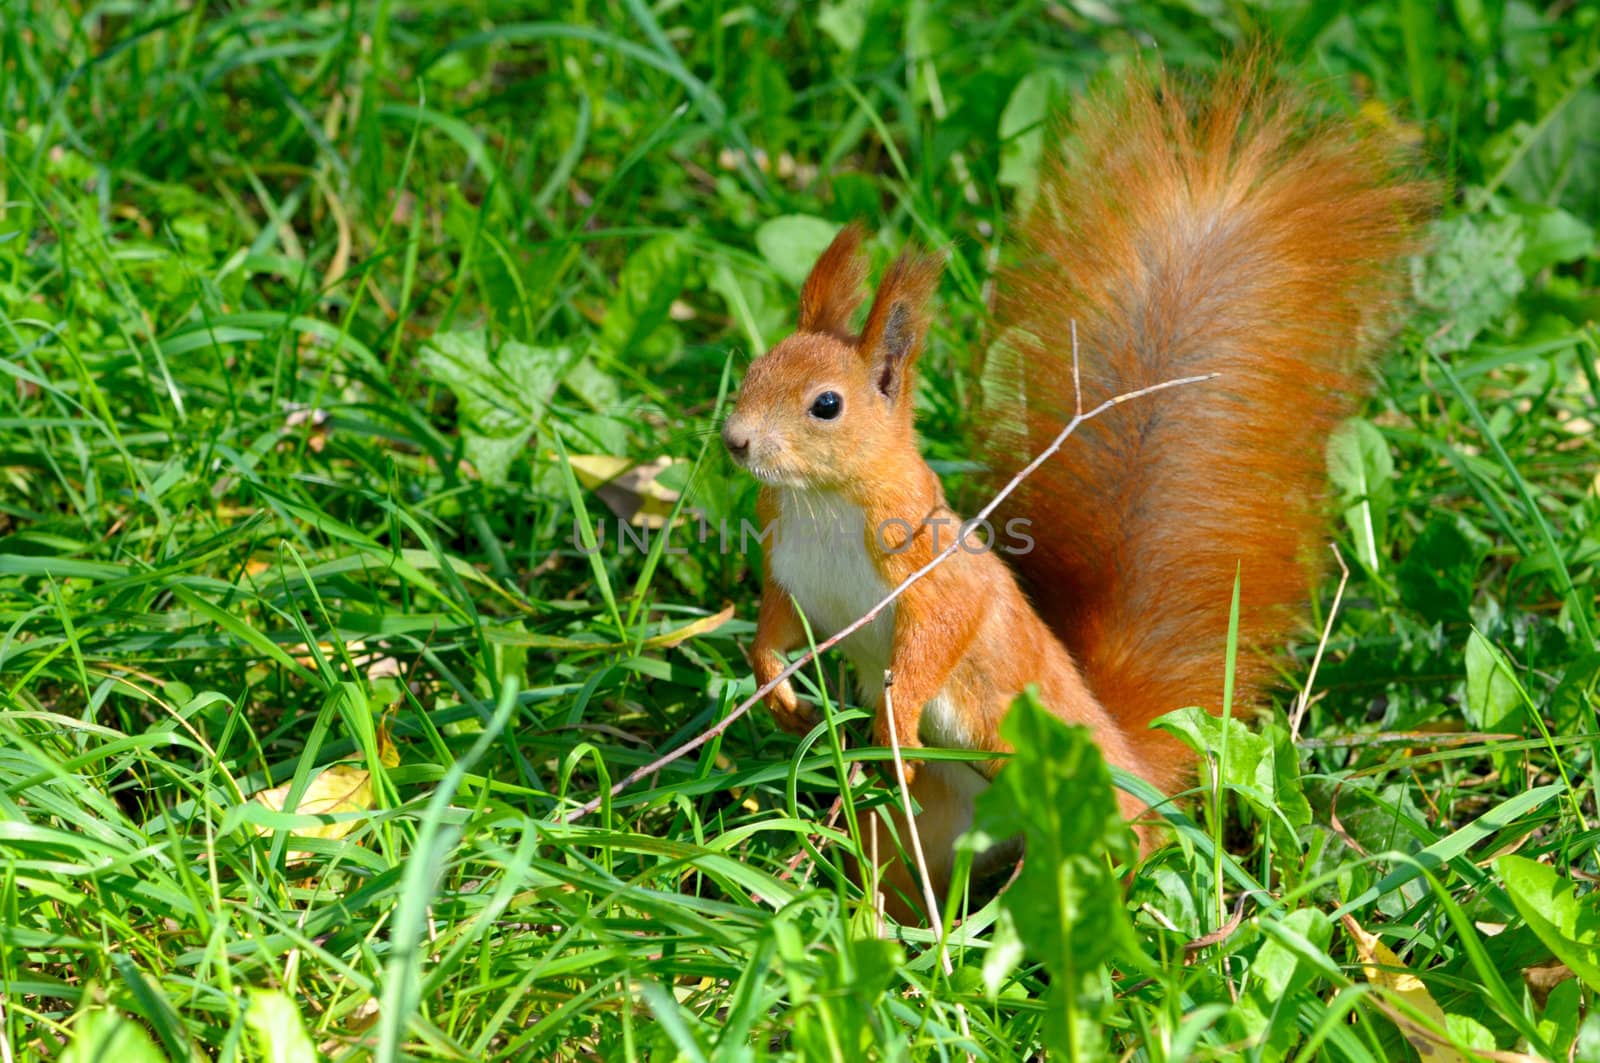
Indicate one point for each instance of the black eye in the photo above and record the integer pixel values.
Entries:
(827, 406)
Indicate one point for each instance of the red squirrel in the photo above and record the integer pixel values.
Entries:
(1227, 229)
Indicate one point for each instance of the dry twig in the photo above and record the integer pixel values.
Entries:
(934, 918)
(872, 614)
(1327, 629)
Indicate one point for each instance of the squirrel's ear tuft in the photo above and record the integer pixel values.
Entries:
(833, 290)
(897, 324)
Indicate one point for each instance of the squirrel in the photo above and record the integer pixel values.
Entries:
(1227, 228)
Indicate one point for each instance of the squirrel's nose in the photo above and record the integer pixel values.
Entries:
(738, 443)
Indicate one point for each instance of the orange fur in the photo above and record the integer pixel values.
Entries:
(1231, 234)
(833, 290)
(963, 639)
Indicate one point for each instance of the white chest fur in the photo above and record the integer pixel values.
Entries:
(820, 556)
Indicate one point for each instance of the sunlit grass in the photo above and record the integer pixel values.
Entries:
(301, 307)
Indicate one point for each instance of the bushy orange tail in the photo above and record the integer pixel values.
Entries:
(1229, 230)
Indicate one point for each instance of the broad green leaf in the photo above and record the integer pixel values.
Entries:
(851, 990)
(275, 1021)
(754, 303)
(511, 293)
(1493, 703)
(1292, 953)
(1477, 22)
(1568, 925)
(1023, 126)
(1005, 952)
(1393, 886)
(1262, 768)
(1587, 1049)
(1551, 236)
(593, 385)
(652, 278)
(1281, 962)
(1360, 468)
(501, 393)
(845, 21)
(1469, 1033)
(792, 243)
(1470, 279)
(1562, 1009)
(1545, 160)
(1569, 705)
(104, 1035)
(1066, 902)
(1439, 573)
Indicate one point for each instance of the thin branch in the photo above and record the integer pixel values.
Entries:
(1223, 932)
(928, 898)
(872, 614)
(879, 912)
(1304, 700)
(1077, 380)
(5, 1042)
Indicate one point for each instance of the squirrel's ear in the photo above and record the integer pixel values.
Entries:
(897, 324)
(833, 290)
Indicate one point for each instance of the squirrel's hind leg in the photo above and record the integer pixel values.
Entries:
(945, 792)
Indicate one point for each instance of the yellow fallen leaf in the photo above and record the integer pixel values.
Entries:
(629, 488)
(1384, 970)
(666, 640)
(1376, 114)
(356, 1022)
(694, 629)
(388, 755)
(595, 469)
(337, 789)
(383, 668)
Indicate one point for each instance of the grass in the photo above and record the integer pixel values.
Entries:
(318, 322)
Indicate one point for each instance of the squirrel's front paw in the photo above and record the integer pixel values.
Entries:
(793, 715)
